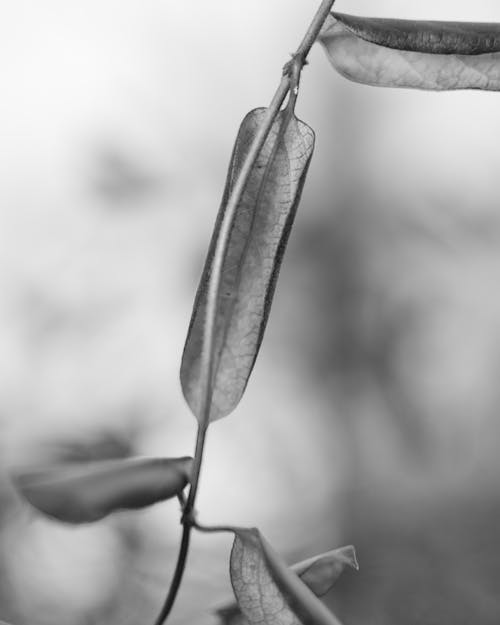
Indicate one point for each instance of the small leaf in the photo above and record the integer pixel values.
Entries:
(321, 572)
(85, 492)
(416, 54)
(267, 591)
(252, 260)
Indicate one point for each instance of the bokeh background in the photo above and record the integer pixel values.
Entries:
(371, 417)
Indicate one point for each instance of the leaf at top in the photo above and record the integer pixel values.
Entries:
(252, 259)
(319, 573)
(85, 492)
(417, 54)
(267, 591)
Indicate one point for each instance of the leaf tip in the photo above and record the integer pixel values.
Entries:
(349, 555)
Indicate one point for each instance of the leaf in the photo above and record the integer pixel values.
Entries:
(417, 54)
(85, 492)
(319, 573)
(267, 591)
(252, 260)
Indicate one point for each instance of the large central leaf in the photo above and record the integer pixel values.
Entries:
(252, 258)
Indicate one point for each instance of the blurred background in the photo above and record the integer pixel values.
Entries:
(371, 416)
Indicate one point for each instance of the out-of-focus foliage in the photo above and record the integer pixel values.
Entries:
(86, 492)
(430, 559)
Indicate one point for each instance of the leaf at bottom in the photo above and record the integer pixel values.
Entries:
(319, 573)
(267, 591)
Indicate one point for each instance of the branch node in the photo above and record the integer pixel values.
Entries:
(189, 518)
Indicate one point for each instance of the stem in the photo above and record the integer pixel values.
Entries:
(177, 577)
(313, 31)
(213, 529)
(195, 479)
(289, 81)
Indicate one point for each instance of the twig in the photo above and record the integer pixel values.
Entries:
(213, 529)
(290, 78)
(177, 577)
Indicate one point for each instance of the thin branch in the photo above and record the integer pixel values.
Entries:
(289, 80)
(177, 577)
(314, 29)
(213, 529)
